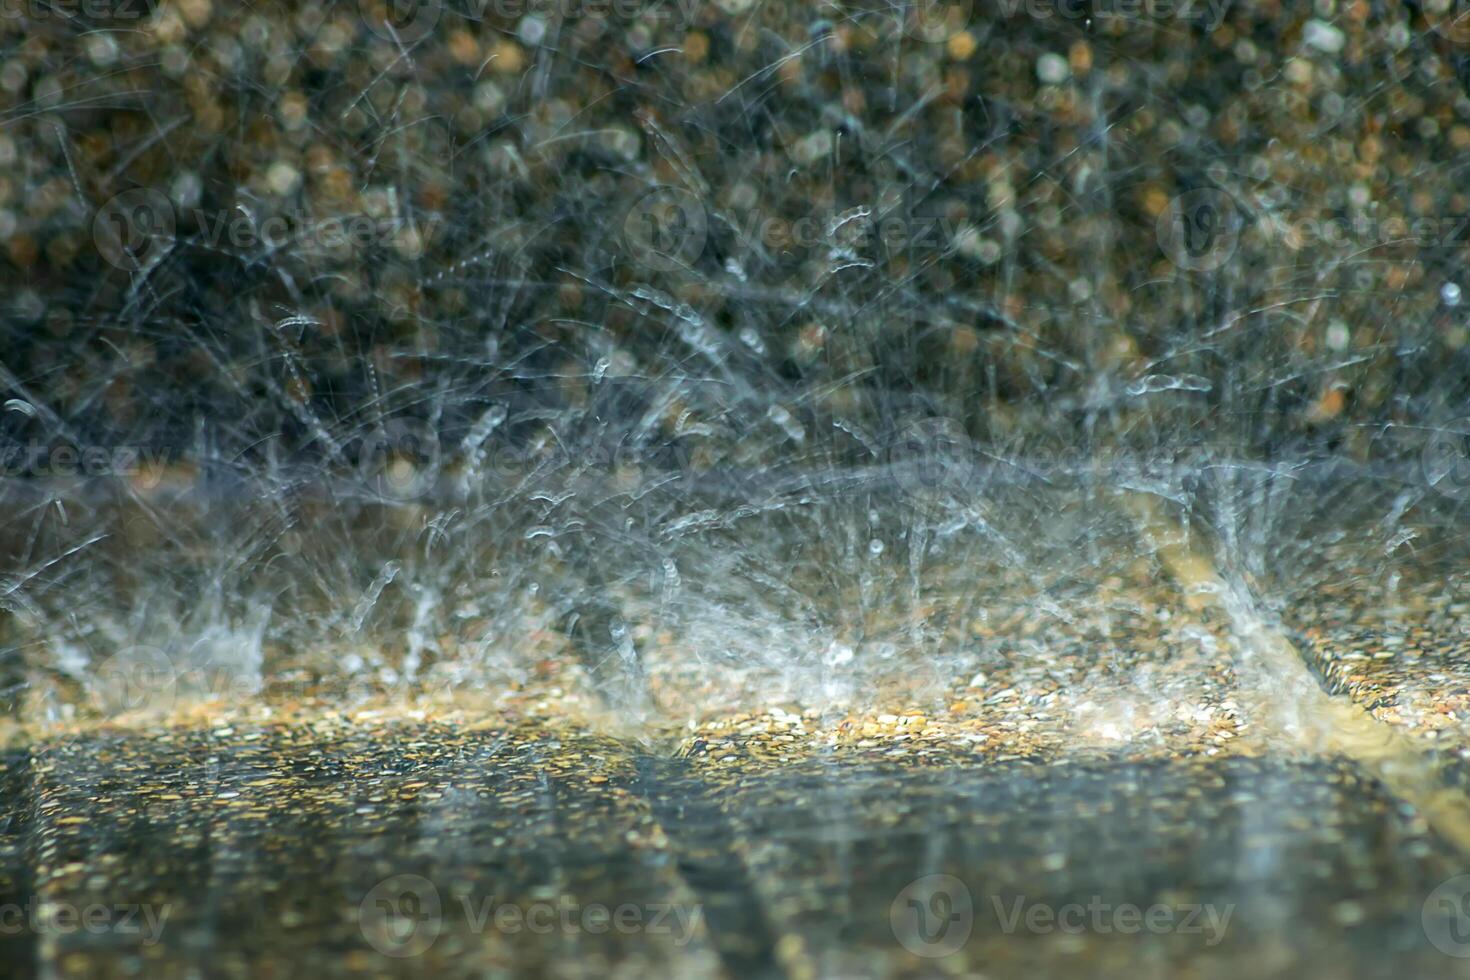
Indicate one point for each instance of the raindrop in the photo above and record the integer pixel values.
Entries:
(1152, 383)
(837, 655)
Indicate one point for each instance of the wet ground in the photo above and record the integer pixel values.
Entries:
(341, 848)
(1142, 781)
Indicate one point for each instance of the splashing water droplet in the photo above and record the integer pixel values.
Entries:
(1149, 384)
(837, 655)
(787, 422)
(750, 338)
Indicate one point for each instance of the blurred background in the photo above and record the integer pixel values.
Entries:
(388, 340)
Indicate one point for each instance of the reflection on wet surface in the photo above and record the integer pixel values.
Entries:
(422, 849)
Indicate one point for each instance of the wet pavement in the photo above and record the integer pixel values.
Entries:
(348, 848)
(1139, 773)
(345, 847)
